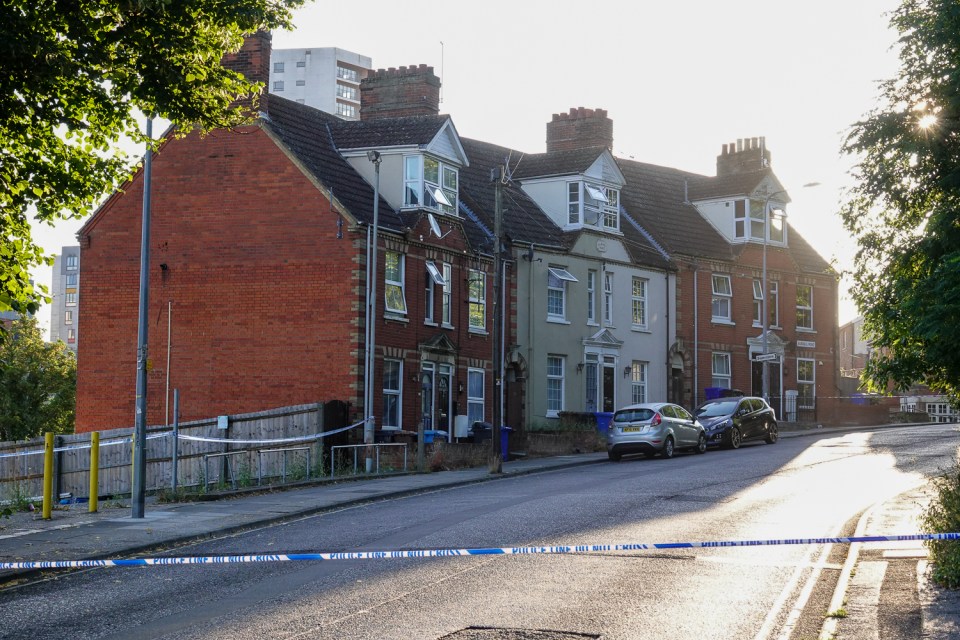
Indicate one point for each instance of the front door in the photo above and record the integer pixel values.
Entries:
(757, 383)
(609, 383)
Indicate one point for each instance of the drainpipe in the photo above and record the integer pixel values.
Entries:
(696, 341)
(530, 379)
(666, 329)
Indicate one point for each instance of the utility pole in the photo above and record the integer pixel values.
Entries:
(498, 175)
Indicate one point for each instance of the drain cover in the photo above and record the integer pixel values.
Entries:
(497, 633)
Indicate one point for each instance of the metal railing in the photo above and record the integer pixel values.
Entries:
(356, 447)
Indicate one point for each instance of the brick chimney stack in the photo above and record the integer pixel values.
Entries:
(579, 129)
(253, 61)
(396, 93)
(744, 156)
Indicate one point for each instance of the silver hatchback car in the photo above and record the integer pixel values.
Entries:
(653, 428)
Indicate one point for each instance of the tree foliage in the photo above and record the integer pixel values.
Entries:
(75, 76)
(905, 208)
(38, 383)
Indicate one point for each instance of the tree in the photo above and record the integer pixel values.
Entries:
(75, 77)
(38, 383)
(905, 208)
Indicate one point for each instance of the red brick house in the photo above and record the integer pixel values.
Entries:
(257, 264)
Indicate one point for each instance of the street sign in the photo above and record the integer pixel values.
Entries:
(767, 357)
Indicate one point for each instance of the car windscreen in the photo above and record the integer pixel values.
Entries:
(633, 415)
(713, 409)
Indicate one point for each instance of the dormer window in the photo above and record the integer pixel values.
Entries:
(430, 183)
(593, 204)
(755, 222)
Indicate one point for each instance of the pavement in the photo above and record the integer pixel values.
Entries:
(884, 589)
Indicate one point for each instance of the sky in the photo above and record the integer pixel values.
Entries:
(678, 80)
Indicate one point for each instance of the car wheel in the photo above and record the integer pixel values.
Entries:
(734, 438)
(668, 449)
(701, 444)
(773, 433)
(614, 457)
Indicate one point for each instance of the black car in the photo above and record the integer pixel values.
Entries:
(731, 421)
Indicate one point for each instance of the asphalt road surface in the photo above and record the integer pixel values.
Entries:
(797, 488)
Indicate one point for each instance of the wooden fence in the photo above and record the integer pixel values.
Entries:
(21, 463)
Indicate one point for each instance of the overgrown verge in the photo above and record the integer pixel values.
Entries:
(943, 516)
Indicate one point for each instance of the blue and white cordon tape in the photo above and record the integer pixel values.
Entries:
(447, 553)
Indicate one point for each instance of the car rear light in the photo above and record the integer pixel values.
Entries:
(656, 419)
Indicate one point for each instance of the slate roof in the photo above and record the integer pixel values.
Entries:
(523, 220)
(386, 132)
(307, 132)
(557, 163)
(707, 187)
(654, 197)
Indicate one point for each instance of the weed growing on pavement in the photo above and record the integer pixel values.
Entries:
(943, 516)
(18, 499)
(838, 613)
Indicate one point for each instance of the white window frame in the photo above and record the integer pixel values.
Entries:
(70, 299)
(68, 317)
(394, 285)
(806, 401)
(557, 279)
(346, 110)
(608, 298)
(477, 304)
(573, 203)
(592, 297)
(757, 220)
(434, 277)
(639, 302)
(722, 375)
(419, 191)
(757, 303)
(740, 219)
(805, 310)
(347, 74)
(555, 384)
(392, 393)
(71, 335)
(638, 382)
(773, 304)
(447, 295)
(476, 393)
(722, 289)
(277, 86)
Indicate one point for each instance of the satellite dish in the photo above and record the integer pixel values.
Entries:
(435, 227)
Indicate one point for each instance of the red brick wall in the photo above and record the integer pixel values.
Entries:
(733, 339)
(264, 297)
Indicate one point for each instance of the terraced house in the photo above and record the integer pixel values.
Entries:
(622, 282)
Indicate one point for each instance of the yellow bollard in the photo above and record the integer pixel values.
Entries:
(94, 471)
(47, 475)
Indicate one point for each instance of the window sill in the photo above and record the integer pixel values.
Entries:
(591, 323)
(723, 321)
(446, 326)
(557, 320)
(391, 317)
(478, 332)
(640, 329)
(805, 330)
(772, 327)
(430, 323)
(552, 414)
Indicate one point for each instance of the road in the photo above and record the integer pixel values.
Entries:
(797, 488)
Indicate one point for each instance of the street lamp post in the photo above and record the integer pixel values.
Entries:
(765, 321)
(369, 425)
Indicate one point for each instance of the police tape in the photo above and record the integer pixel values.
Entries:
(449, 553)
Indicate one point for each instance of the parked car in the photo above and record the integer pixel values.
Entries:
(654, 428)
(731, 421)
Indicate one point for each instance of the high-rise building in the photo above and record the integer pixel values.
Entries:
(327, 78)
(65, 291)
